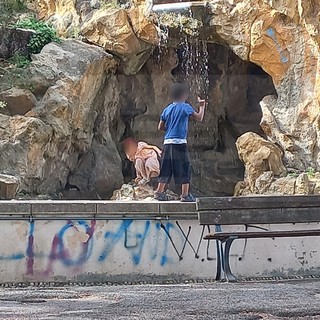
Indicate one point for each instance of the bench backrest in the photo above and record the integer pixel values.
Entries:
(258, 210)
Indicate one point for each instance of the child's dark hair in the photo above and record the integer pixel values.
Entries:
(178, 91)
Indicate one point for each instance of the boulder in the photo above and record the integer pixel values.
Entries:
(14, 41)
(303, 185)
(18, 101)
(23, 146)
(62, 14)
(259, 156)
(144, 27)
(281, 186)
(112, 30)
(8, 186)
(268, 184)
(95, 168)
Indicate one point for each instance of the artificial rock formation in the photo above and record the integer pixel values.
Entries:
(65, 141)
(129, 34)
(82, 101)
(283, 38)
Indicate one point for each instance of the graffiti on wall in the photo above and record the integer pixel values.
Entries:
(78, 242)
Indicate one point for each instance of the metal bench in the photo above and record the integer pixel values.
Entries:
(254, 210)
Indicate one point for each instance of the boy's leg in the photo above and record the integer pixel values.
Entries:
(185, 189)
(182, 170)
(165, 171)
(161, 187)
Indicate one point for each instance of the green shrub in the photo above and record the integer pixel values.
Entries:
(311, 172)
(19, 60)
(44, 33)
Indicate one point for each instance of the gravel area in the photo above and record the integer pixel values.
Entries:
(240, 301)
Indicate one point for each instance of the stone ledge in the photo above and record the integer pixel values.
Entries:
(65, 208)
(97, 209)
(137, 207)
(14, 208)
(177, 207)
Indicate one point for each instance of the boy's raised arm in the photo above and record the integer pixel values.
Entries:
(200, 114)
(162, 126)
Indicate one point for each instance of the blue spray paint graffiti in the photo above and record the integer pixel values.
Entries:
(113, 238)
(158, 242)
(16, 256)
(164, 257)
(271, 34)
(60, 252)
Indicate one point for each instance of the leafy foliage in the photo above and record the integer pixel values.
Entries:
(311, 172)
(19, 60)
(44, 33)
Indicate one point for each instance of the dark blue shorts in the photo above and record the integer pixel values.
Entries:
(175, 162)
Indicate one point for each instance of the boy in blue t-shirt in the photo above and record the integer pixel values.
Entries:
(175, 157)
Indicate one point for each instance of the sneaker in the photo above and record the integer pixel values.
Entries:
(161, 196)
(188, 198)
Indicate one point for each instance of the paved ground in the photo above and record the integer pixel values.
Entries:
(243, 301)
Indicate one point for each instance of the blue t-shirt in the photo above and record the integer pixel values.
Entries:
(176, 117)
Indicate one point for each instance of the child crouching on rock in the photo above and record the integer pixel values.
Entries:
(145, 159)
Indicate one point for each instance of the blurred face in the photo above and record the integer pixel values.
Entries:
(131, 148)
(185, 96)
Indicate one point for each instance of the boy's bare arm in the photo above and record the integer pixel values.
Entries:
(162, 126)
(200, 114)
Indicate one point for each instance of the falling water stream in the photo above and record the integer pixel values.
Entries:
(192, 52)
(195, 69)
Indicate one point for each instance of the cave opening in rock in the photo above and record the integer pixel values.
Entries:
(233, 88)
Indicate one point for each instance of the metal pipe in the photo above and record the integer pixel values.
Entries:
(178, 6)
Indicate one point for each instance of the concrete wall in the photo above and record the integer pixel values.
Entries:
(41, 242)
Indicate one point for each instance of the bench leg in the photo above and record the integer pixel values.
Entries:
(220, 263)
(219, 260)
(230, 277)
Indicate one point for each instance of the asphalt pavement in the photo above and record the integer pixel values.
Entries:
(243, 301)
